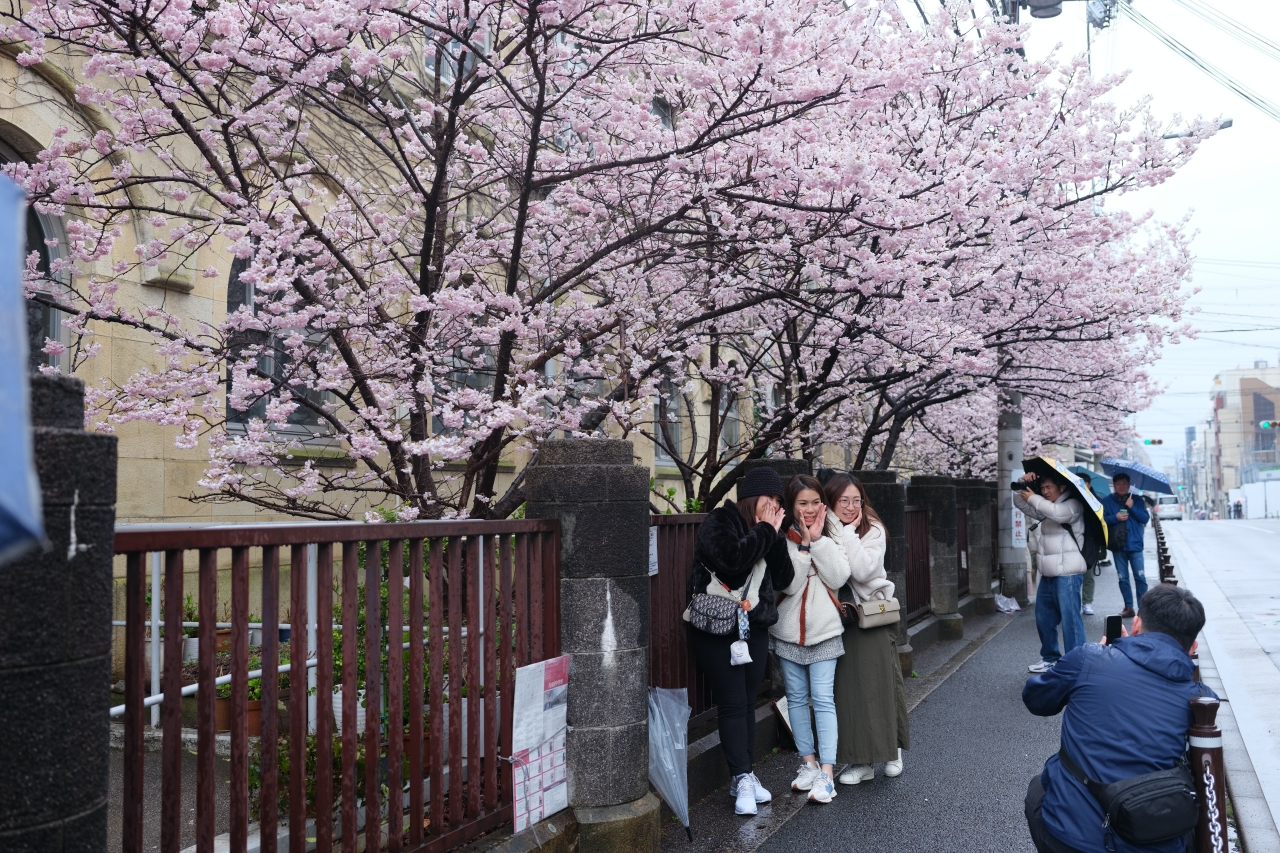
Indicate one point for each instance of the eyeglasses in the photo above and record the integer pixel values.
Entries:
(849, 502)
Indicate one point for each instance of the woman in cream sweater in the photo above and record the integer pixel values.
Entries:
(806, 638)
(871, 704)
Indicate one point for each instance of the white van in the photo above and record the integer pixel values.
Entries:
(1169, 506)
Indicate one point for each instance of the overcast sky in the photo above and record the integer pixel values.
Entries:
(1231, 187)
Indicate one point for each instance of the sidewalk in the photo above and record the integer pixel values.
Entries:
(974, 749)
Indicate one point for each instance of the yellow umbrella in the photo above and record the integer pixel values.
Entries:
(1044, 466)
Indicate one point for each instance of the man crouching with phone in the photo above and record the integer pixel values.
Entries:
(1126, 717)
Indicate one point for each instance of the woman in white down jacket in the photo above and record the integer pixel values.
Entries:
(1060, 563)
(871, 704)
(806, 638)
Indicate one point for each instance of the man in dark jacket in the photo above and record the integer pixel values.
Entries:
(1101, 688)
(1123, 506)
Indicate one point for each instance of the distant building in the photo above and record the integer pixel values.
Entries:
(1241, 450)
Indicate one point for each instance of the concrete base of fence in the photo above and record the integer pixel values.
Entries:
(906, 658)
(951, 626)
(556, 834)
(634, 827)
(936, 629)
(984, 605)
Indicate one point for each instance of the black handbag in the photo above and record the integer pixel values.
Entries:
(847, 603)
(714, 614)
(1144, 809)
(1117, 535)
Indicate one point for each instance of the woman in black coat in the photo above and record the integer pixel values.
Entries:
(739, 550)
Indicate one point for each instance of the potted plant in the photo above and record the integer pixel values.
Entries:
(223, 635)
(222, 695)
(191, 636)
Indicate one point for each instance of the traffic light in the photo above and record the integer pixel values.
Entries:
(1268, 424)
(1153, 441)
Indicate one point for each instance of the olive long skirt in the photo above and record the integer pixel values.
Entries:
(871, 705)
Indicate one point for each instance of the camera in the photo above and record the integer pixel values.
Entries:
(1019, 485)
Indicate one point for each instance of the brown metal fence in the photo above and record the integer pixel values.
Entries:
(481, 598)
(919, 587)
(962, 549)
(670, 660)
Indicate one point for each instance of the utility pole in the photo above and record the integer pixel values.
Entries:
(1013, 545)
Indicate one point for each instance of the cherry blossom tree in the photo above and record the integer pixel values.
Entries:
(452, 228)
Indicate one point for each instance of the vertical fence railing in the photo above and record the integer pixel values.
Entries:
(443, 611)
(919, 585)
(962, 550)
(670, 660)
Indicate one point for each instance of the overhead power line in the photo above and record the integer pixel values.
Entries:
(1191, 56)
(1231, 27)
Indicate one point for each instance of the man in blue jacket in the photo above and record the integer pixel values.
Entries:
(1119, 506)
(1101, 688)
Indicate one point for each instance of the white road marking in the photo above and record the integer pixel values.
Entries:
(1259, 529)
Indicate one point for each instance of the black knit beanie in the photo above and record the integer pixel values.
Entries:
(760, 481)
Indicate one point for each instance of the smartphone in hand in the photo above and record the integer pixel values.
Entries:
(1113, 629)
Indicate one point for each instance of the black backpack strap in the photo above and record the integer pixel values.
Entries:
(1095, 788)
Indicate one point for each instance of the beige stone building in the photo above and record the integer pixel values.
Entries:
(1240, 450)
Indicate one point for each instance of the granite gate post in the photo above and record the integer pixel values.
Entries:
(889, 498)
(976, 496)
(55, 639)
(601, 499)
(938, 496)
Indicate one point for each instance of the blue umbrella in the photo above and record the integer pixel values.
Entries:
(1100, 484)
(21, 517)
(1140, 476)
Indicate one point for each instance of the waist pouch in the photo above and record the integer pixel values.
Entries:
(1144, 809)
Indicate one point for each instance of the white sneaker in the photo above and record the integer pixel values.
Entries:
(744, 801)
(1040, 666)
(762, 795)
(807, 775)
(1087, 610)
(852, 775)
(823, 789)
(894, 768)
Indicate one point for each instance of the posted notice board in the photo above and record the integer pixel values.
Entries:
(539, 725)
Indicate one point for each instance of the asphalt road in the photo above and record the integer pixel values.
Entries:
(1243, 559)
(1233, 567)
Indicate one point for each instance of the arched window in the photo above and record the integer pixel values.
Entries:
(43, 322)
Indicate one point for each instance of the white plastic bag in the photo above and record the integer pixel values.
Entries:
(1005, 604)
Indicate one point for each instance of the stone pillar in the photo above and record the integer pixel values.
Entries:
(55, 639)
(1012, 562)
(938, 496)
(601, 499)
(976, 496)
(786, 468)
(889, 499)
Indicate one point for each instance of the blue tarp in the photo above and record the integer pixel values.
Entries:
(21, 525)
(1141, 477)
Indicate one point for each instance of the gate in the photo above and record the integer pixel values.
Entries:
(919, 586)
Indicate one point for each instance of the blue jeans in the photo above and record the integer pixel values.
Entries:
(1058, 602)
(813, 684)
(1125, 559)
